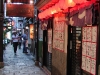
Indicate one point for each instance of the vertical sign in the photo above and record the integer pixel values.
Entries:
(31, 31)
(59, 32)
(50, 40)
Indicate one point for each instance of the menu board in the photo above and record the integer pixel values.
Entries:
(50, 40)
(58, 33)
(89, 44)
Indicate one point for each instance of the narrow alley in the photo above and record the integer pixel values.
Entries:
(19, 64)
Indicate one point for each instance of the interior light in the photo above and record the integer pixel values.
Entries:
(31, 2)
(27, 27)
(8, 1)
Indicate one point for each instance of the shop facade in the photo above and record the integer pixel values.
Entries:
(72, 39)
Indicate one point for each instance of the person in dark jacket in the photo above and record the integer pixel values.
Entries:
(25, 38)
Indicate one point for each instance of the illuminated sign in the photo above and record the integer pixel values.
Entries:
(31, 31)
(20, 10)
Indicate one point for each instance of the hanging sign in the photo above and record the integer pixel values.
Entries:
(50, 40)
(31, 31)
(20, 10)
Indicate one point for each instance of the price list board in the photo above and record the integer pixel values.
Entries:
(59, 35)
(89, 45)
(50, 40)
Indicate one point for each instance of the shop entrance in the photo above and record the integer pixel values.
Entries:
(45, 50)
(74, 51)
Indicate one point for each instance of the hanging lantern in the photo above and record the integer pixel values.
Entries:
(58, 9)
(64, 4)
(50, 9)
(79, 1)
(70, 3)
(48, 12)
(53, 11)
(39, 16)
(44, 13)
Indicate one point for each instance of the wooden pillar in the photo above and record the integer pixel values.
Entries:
(37, 42)
(1, 33)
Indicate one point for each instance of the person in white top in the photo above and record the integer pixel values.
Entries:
(15, 39)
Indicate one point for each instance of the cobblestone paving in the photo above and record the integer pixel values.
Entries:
(19, 64)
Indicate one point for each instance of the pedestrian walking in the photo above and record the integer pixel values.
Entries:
(20, 40)
(25, 38)
(15, 38)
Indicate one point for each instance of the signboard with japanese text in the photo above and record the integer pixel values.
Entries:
(89, 47)
(50, 40)
(20, 10)
(31, 31)
(59, 32)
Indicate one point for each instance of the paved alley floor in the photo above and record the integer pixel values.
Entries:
(19, 64)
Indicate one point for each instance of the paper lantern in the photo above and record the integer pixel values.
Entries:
(70, 3)
(39, 16)
(49, 10)
(64, 4)
(79, 1)
(53, 10)
(58, 9)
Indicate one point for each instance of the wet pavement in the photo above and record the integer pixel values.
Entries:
(19, 64)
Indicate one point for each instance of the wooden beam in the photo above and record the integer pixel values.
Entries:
(41, 3)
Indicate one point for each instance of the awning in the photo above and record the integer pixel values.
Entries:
(45, 4)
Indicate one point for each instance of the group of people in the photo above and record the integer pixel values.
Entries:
(17, 39)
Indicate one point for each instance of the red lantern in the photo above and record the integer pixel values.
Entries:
(64, 4)
(70, 3)
(93, 1)
(79, 1)
(43, 14)
(53, 11)
(39, 16)
(48, 12)
(58, 9)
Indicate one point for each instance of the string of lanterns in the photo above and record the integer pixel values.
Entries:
(59, 7)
